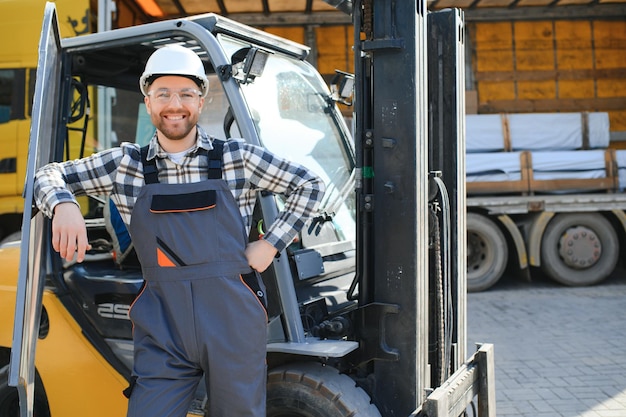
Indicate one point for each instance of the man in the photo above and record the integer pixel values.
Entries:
(187, 201)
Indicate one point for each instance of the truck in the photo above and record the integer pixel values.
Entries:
(553, 206)
(366, 308)
(18, 62)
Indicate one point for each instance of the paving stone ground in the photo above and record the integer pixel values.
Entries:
(559, 351)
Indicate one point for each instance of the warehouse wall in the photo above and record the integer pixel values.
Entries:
(331, 49)
(550, 66)
(331, 45)
(516, 66)
(520, 66)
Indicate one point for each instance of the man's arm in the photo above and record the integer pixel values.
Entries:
(302, 188)
(56, 185)
(69, 233)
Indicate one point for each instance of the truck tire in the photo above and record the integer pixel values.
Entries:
(9, 399)
(487, 252)
(312, 390)
(579, 249)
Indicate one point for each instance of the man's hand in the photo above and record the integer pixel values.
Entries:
(69, 233)
(260, 254)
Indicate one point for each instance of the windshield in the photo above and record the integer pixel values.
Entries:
(292, 113)
(296, 119)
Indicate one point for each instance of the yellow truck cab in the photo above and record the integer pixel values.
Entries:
(20, 25)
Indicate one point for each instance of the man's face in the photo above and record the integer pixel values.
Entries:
(174, 104)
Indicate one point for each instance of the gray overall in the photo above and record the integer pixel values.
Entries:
(201, 309)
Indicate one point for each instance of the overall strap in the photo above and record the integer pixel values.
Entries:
(215, 160)
(215, 156)
(150, 173)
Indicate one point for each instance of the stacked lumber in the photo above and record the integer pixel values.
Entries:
(541, 153)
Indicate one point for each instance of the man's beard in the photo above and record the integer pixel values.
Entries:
(180, 131)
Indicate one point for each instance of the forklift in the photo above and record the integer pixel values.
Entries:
(367, 307)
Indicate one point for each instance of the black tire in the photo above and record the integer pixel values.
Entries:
(579, 249)
(13, 237)
(9, 399)
(487, 252)
(312, 390)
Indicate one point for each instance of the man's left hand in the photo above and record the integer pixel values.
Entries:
(260, 254)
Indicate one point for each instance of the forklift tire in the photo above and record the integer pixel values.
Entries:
(313, 390)
(9, 399)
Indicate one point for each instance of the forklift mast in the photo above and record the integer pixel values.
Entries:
(409, 141)
(391, 141)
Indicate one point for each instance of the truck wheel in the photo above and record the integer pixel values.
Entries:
(313, 390)
(579, 249)
(9, 399)
(487, 252)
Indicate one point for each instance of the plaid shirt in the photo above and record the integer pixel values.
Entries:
(118, 172)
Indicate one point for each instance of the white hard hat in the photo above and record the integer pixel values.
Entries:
(174, 60)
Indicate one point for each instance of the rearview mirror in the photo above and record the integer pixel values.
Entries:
(248, 63)
(342, 87)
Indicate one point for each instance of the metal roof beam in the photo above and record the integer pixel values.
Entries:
(292, 19)
(574, 12)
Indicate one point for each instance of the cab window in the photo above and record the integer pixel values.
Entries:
(12, 82)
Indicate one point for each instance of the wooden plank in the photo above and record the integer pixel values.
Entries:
(506, 132)
(334, 52)
(444, 4)
(568, 59)
(536, 90)
(572, 2)
(534, 45)
(552, 105)
(573, 34)
(574, 45)
(332, 42)
(617, 120)
(586, 184)
(321, 5)
(493, 44)
(533, 59)
(526, 3)
(293, 33)
(127, 16)
(611, 88)
(493, 3)
(576, 89)
(610, 44)
(168, 7)
(495, 92)
(544, 75)
(535, 34)
(243, 6)
(587, 10)
(489, 61)
(493, 36)
(205, 6)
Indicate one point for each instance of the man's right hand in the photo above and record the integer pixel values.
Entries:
(69, 233)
